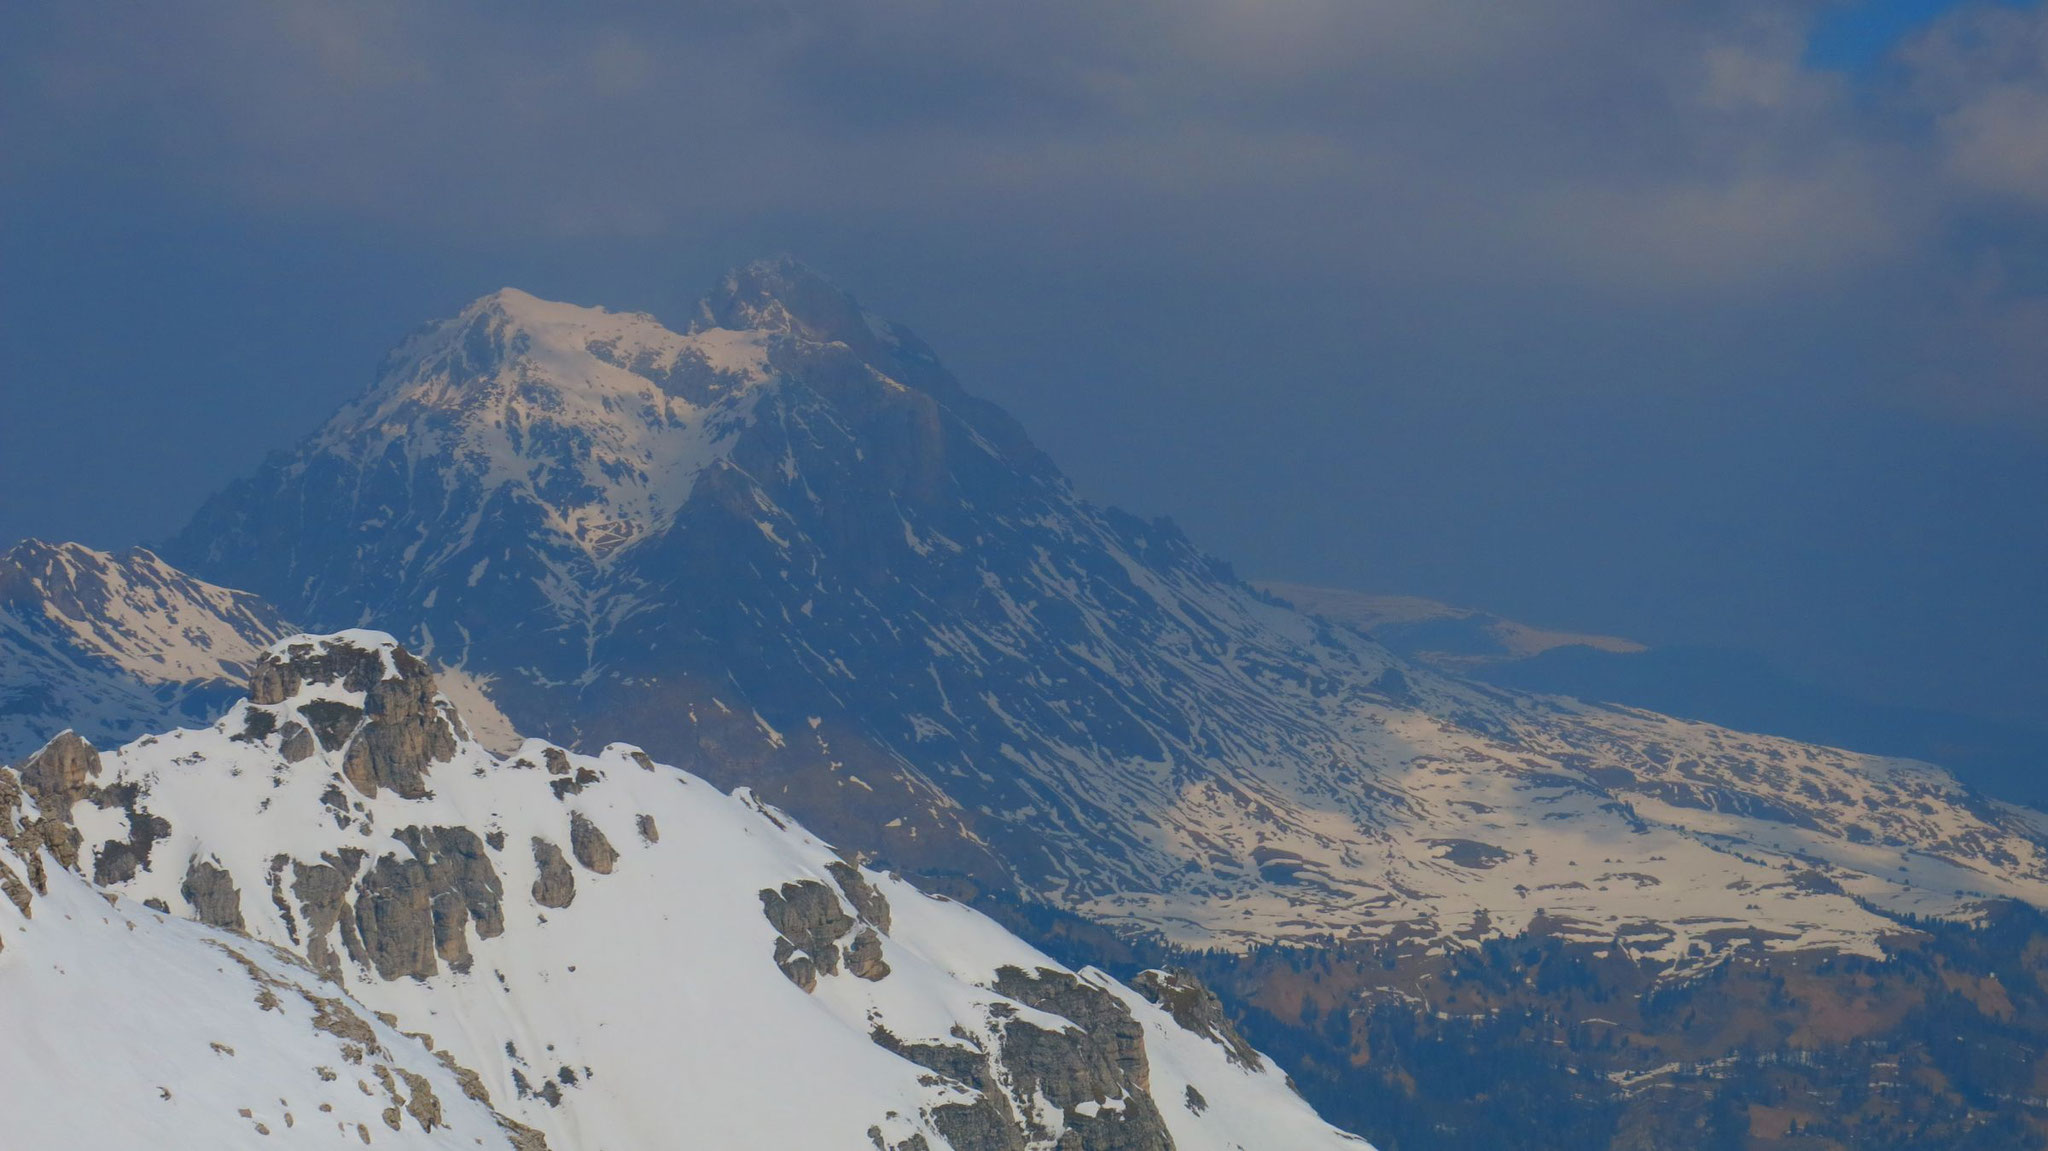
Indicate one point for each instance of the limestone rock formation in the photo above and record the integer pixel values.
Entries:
(211, 892)
(592, 849)
(397, 733)
(556, 884)
(1196, 1009)
(61, 774)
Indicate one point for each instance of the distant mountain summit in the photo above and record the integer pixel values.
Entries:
(784, 548)
(116, 645)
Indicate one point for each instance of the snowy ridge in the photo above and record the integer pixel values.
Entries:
(621, 952)
(116, 645)
(600, 420)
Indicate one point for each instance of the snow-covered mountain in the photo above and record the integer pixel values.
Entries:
(784, 548)
(116, 645)
(612, 953)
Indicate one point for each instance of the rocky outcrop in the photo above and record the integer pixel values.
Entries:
(872, 906)
(811, 922)
(60, 774)
(411, 915)
(322, 890)
(864, 956)
(1095, 1072)
(987, 1124)
(49, 834)
(589, 844)
(814, 926)
(285, 671)
(390, 741)
(332, 722)
(117, 860)
(556, 884)
(211, 892)
(10, 801)
(59, 777)
(1197, 1009)
(296, 743)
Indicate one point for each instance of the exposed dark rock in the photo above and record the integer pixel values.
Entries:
(16, 891)
(278, 677)
(284, 907)
(987, 1124)
(10, 801)
(811, 920)
(556, 884)
(405, 733)
(421, 1103)
(798, 967)
(50, 834)
(33, 837)
(522, 1137)
(336, 801)
(117, 861)
(60, 774)
(592, 849)
(322, 890)
(870, 904)
(257, 725)
(1197, 1009)
(297, 743)
(332, 722)
(1196, 1103)
(958, 1062)
(398, 733)
(914, 1143)
(864, 956)
(648, 831)
(412, 914)
(395, 918)
(1100, 1059)
(211, 891)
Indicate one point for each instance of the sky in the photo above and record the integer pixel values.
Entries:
(1719, 324)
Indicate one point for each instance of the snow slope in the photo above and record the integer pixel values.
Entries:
(122, 1026)
(596, 936)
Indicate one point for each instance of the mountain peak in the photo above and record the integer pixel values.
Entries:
(359, 694)
(783, 294)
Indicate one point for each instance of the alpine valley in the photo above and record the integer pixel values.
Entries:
(782, 549)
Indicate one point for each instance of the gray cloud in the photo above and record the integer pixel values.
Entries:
(1618, 144)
